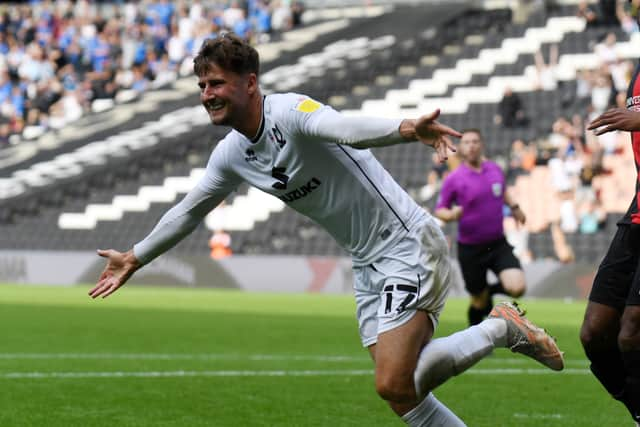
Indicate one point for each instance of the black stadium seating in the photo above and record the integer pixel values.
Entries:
(31, 221)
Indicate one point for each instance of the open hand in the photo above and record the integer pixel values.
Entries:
(616, 119)
(120, 266)
(433, 133)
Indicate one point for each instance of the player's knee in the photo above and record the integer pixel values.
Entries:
(518, 290)
(629, 337)
(590, 337)
(395, 388)
(515, 285)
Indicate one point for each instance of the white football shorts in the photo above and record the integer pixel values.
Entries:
(414, 275)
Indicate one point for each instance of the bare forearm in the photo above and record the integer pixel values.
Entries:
(446, 215)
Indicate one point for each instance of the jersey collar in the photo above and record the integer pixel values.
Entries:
(256, 138)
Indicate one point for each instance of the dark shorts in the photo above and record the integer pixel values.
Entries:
(617, 282)
(475, 260)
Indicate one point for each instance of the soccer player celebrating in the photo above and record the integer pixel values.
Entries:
(317, 161)
(474, 194)
(610, 331)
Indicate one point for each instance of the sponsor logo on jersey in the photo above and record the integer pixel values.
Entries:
(279, 174)
(277, 136)
(633, 103)
(301, 192)
(308, 106)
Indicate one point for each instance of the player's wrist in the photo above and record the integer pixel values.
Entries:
(407, 130)
(131, 259)
(514, 207)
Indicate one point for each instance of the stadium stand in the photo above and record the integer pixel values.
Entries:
(357, 61)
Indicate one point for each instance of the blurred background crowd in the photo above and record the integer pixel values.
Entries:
(578, 165)
(60, 59)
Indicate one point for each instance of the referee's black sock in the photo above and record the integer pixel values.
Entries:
(632, 386)
(497, 288)
(477, 315)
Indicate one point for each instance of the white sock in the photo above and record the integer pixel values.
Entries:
(496, 329)
(432, 413)
(445, 357)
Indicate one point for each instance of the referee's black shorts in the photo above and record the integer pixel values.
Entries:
(617, 282)
(475, 260)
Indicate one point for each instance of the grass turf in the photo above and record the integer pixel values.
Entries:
(180, 357)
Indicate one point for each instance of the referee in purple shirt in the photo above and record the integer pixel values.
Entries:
(474, 195)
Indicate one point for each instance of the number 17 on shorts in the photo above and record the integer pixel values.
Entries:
(396, 298)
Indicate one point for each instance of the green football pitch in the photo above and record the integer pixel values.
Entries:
(191, 357)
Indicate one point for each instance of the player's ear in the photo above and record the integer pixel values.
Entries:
(252, 83)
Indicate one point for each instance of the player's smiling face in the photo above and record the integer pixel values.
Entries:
(225, 95)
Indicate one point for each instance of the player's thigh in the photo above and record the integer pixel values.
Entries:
(600, 327)
(473, 265)
(513, 281)
(388, 295)
(629, 337)
(615, 285)
(506, 266)
(396, 352)
(414, 276)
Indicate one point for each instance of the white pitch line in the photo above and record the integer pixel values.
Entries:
(171, 374)
(166, 356)
(221, 356)
(277, 373)
(539, 416)
(536, 371)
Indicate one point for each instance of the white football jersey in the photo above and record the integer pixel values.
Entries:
(304, 155)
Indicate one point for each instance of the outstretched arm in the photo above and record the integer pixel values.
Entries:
(368, 132)
(616, 119)
(176, 224)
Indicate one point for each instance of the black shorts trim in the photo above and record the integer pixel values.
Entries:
(476, 260)
(617, 281)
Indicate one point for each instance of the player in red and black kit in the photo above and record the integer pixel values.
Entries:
(610, 331)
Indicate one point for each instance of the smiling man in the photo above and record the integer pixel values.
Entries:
(317, 161)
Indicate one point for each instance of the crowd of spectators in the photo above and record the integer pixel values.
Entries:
(573, 158)
(58, 57)
(61, 59)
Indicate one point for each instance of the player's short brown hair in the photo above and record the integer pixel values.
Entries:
(228, 52)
